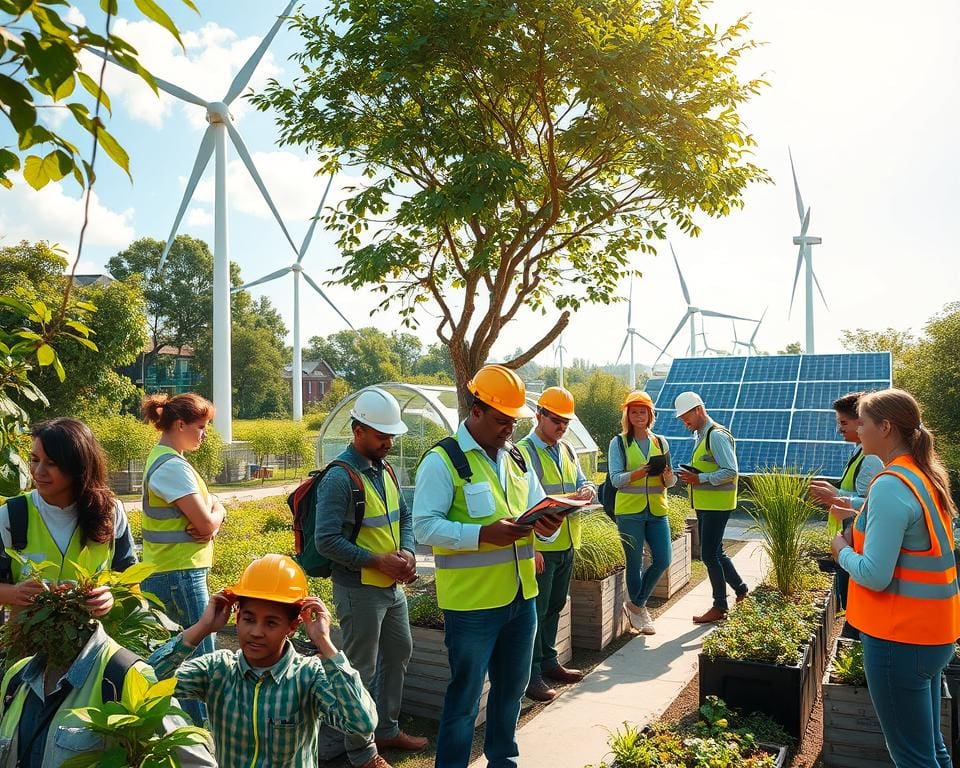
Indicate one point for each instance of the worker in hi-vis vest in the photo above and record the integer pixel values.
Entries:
(558, 468)
(854, 482)
(469, 488)
(369, 572)
(713, 496)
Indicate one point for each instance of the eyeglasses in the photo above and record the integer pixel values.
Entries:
(556, 419)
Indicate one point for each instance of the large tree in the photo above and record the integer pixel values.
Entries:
(515, 155)
(362, 357)
(598, 405)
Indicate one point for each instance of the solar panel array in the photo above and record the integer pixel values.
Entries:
(778, 407)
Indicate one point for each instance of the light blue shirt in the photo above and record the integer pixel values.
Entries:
(724, 454)
(553, 451)
(433, 496)
(617, 460)
(895, 521)
(869, 469)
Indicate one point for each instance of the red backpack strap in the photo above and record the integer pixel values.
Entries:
(358, 495)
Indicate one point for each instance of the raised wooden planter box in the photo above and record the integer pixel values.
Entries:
(677, 576)
(564, 635)
(428, 675)
(597, 611)
(852, 737)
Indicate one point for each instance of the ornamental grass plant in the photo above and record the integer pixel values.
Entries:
(779, 503)
(601, 552)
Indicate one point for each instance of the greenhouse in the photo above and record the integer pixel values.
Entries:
(430, 412)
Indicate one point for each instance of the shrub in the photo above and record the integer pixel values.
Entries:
(679, 509)
(294, 444)
(601, 552)
(208, 458)
(422, 604)
(124, 439)
(847, 666)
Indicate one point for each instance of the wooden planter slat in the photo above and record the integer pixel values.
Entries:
(597, 611)
(852, 737)
(677, 576)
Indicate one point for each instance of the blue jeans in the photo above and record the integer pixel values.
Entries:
(497, 642)
(904, 684)
(711, 525)
(634, 531)
(184, 596)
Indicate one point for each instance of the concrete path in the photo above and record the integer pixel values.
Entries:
(635, 684)
(241, 494)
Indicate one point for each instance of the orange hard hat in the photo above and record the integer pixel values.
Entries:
(638, 397)
(501, 388)
(272, 577)
(557, 400)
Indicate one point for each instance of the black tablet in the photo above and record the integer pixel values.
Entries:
(657, 464)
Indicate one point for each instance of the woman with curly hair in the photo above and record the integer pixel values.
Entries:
(70, 517)
(180, 516)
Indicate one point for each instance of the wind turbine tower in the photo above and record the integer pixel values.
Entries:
(631, 333)
(805, 256)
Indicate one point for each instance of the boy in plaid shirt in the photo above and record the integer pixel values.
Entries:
(266, 702)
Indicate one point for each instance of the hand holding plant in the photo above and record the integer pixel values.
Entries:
(99, 601)
(22, 594)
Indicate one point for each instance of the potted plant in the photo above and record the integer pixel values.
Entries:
(677, 576)
(598, 590)
(852, 737)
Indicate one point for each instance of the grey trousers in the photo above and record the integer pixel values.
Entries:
(377, 642)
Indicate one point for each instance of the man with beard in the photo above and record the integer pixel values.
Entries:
(369, 569)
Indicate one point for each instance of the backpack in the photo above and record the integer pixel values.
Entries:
(607, 494)
(303, 506)
(17, 511)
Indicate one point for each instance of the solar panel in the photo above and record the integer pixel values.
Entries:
(653, 387)
(778, 407)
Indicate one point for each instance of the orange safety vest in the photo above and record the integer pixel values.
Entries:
(921, 605)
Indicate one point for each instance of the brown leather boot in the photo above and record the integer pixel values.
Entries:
(538, 690)
(403, 741)
(376, 762)
(711, 616)
(562, 674)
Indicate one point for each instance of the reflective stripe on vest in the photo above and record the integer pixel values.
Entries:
(921, 605)
(92, 557)
(556, 481)
(648, 492)
(166, 542)
(380, 529)
(492, 585)
(704, 496)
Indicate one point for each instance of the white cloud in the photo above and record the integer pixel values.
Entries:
(74, 16)
(214, 54)
(199, 217)
(55, 213)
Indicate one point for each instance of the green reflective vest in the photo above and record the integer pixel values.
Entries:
(166, 542)
(380, 530)
(92, 557)
(637, 495)
(704, 496)
(848, 482)
(490, 576)
(555, 481)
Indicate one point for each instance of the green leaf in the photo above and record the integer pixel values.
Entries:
(137, 573)
(153, 11)
(17, 304)
(91, 87)
(34, 135)
(14, 473)
(8, 162)
(34, 173)
(19, 102)
(112, 147)
(116, 721)
(64, 89)
(84, 342)
(58, 368)
(57, 164)
(78, 327)
(45, 355)
(86, 305)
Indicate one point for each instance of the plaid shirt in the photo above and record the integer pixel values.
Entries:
(271, 720)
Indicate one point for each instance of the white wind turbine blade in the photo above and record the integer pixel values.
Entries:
(820, 290)
(800, 254)
(651, 343)
(622, 347)
(630, 306)
(264, 279)
(326, 299)
(313, 222)
(711, 313)
(163, 85)
(248, 162)
(664, 348)
(796, 186)
(199, 165)
(757, 329)
(247, 70)
(683, 283)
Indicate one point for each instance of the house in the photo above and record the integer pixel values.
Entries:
(317, 378)
(86, 280)
(170, 370)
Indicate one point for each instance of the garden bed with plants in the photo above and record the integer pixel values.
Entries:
(599, 587)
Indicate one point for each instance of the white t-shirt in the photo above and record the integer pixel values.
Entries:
(61, 522)
(175, 479)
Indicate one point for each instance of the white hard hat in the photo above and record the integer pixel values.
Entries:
(687, 401)
(379, 410)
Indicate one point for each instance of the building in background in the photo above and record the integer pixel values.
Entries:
(169, 370)
(316, 381)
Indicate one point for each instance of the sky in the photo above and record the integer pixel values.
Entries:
(866, 96)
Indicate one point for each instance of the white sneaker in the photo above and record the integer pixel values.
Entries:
(644, 622)
(635, 614)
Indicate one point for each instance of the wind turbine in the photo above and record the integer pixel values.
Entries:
(631, 333)
(298, 272)
(558, 351)
(805, 255)
(748, 345)
(691, 314)
(214, 141)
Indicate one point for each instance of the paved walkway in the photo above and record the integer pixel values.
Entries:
(635, 684)
(241, 494)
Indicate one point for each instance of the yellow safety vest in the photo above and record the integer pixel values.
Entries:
(67, 735)
(554, 481)
(704, 496)
(92, 557)
(848, 482)
(638, 495)
(166, 543)
(490, 576)
(380, 530)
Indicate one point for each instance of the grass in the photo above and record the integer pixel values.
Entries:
(601, 552)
